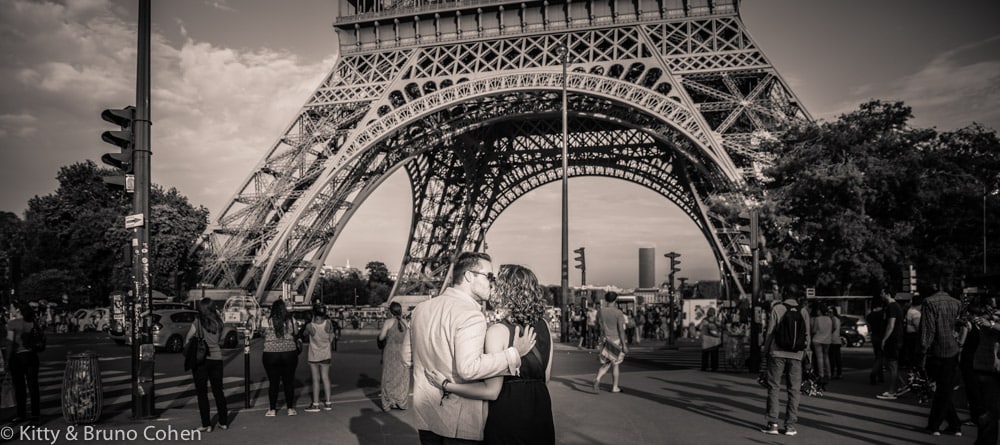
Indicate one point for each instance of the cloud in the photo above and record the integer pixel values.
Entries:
(19, 125)
(215, 110)
(220, 5)
(954, 89)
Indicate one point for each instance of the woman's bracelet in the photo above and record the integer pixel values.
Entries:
(444, 390)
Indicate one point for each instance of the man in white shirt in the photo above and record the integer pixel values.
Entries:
(447, 335)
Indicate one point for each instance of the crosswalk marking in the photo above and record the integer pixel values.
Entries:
(172, 392)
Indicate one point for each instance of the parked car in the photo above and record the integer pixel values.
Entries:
(171, 326)
(850, 328)
(116, 331)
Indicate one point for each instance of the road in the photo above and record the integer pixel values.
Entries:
(665, 400)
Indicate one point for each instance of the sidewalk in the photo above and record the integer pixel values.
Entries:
(682, 406)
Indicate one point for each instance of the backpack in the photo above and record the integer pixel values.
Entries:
(790, 333)
(34, 340)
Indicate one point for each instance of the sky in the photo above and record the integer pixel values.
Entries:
(229, 76)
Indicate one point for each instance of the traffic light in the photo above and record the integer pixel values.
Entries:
(582, 266)
(672, 256)
(125, 140)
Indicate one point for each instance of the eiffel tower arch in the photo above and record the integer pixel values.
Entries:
(466, 97)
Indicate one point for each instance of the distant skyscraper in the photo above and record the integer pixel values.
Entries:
(647, 267)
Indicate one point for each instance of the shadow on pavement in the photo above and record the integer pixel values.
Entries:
(371, 426)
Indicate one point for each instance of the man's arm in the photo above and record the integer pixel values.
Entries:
(928, 328)
(621, 331)
(470, 361)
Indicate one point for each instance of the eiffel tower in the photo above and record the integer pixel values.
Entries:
(466, 97)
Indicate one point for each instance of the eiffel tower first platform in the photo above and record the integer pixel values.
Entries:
(466, 97)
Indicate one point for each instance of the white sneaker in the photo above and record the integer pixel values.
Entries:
(292, 412)
(886, 396)
(270, 413)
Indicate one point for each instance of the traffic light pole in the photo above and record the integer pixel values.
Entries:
(143, 401)
(754, 360)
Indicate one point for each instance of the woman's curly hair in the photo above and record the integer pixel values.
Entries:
(518, 295)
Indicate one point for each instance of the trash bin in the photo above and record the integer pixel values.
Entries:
(82, 395)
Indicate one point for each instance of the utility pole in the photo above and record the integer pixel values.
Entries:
(143, 388)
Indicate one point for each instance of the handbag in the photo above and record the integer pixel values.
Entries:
(196, 351)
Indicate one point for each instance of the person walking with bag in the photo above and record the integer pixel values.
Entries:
(612, 324)
(395, 375)
(321, 334)
(208, 327)
(22, 361)
(281, 357)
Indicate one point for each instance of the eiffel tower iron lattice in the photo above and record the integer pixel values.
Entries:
(672, 95)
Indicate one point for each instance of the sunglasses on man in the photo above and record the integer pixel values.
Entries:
(489, 275)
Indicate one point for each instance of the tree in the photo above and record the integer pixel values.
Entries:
(848, 203)
(378, 273)
(79, 231)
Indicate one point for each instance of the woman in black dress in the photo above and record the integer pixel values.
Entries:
(520, 407)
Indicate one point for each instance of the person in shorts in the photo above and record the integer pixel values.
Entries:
(611, 322)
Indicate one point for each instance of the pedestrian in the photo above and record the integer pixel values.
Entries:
(592, 333)
(836, 364)
(520, 408)
(395, 375)
(785, 343)
(711, 341)
(937, 337)
(892, 343)
(321, 335)
(447, 336)
(630, 327)
(986, 364)
(208, 325)
(968, 340)
(821, 334)
(876, 330)
(23, 363)
(281, 357)
(910, 358)
(612, 325)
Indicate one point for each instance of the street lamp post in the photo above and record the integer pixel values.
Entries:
(564, 323)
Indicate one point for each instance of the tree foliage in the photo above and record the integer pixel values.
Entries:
(73, 241)
(848, 203)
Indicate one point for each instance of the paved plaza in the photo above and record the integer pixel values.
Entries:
(665, 400)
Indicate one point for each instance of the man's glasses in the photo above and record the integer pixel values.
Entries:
(489, 275)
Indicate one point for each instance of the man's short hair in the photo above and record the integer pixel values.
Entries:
(610, 297)
(467, 261)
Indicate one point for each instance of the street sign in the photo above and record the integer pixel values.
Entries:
(810, 292)
(133, 221)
